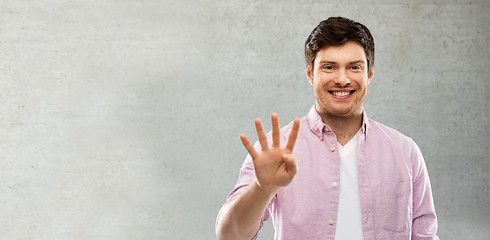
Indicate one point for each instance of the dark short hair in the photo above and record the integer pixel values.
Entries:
(336, 31)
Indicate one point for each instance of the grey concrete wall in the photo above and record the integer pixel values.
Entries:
(120, 119)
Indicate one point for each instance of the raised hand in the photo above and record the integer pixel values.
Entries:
(275, 167)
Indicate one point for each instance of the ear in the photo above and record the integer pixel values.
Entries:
(370, 75)
(309, 74)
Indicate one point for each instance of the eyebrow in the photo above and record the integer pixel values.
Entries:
(358, 61)
(332, 62)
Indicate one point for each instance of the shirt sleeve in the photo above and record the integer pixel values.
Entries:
(424, 220)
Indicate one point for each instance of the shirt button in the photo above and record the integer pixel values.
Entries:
(331, 222)
(332, 148)
(319, 134)
(334, 184)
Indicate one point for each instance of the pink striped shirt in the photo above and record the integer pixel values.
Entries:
(394, 187)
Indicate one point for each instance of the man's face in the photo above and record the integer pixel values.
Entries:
(340, 80)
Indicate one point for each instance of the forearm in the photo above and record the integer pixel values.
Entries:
(240, 218)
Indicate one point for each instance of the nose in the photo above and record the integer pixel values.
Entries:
(342, 79)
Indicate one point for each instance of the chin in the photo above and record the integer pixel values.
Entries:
(339, 110)
(342, 112)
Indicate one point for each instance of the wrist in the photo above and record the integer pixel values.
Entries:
(266, 192)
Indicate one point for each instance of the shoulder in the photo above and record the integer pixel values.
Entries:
(303, 126)
(382, 136)
(382, 132)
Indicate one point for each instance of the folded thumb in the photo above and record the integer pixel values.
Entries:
(290, 161)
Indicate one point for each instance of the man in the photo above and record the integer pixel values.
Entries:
(340, 175)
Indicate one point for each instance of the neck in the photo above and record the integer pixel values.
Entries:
(344, 127)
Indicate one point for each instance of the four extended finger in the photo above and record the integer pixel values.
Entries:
(293, 135)
(276, 131)
(250, 148)
(261, 135)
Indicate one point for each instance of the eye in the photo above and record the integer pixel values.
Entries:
(328, 67)
(356, 68)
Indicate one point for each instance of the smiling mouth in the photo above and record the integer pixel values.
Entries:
(341, 93)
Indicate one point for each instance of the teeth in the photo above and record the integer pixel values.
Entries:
(341, 93)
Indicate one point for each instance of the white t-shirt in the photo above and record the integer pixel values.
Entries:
(349, 216)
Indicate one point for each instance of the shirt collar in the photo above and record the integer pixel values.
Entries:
(317, 126)
(365, 124)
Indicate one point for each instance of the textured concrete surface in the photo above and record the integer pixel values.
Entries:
(120, 119)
